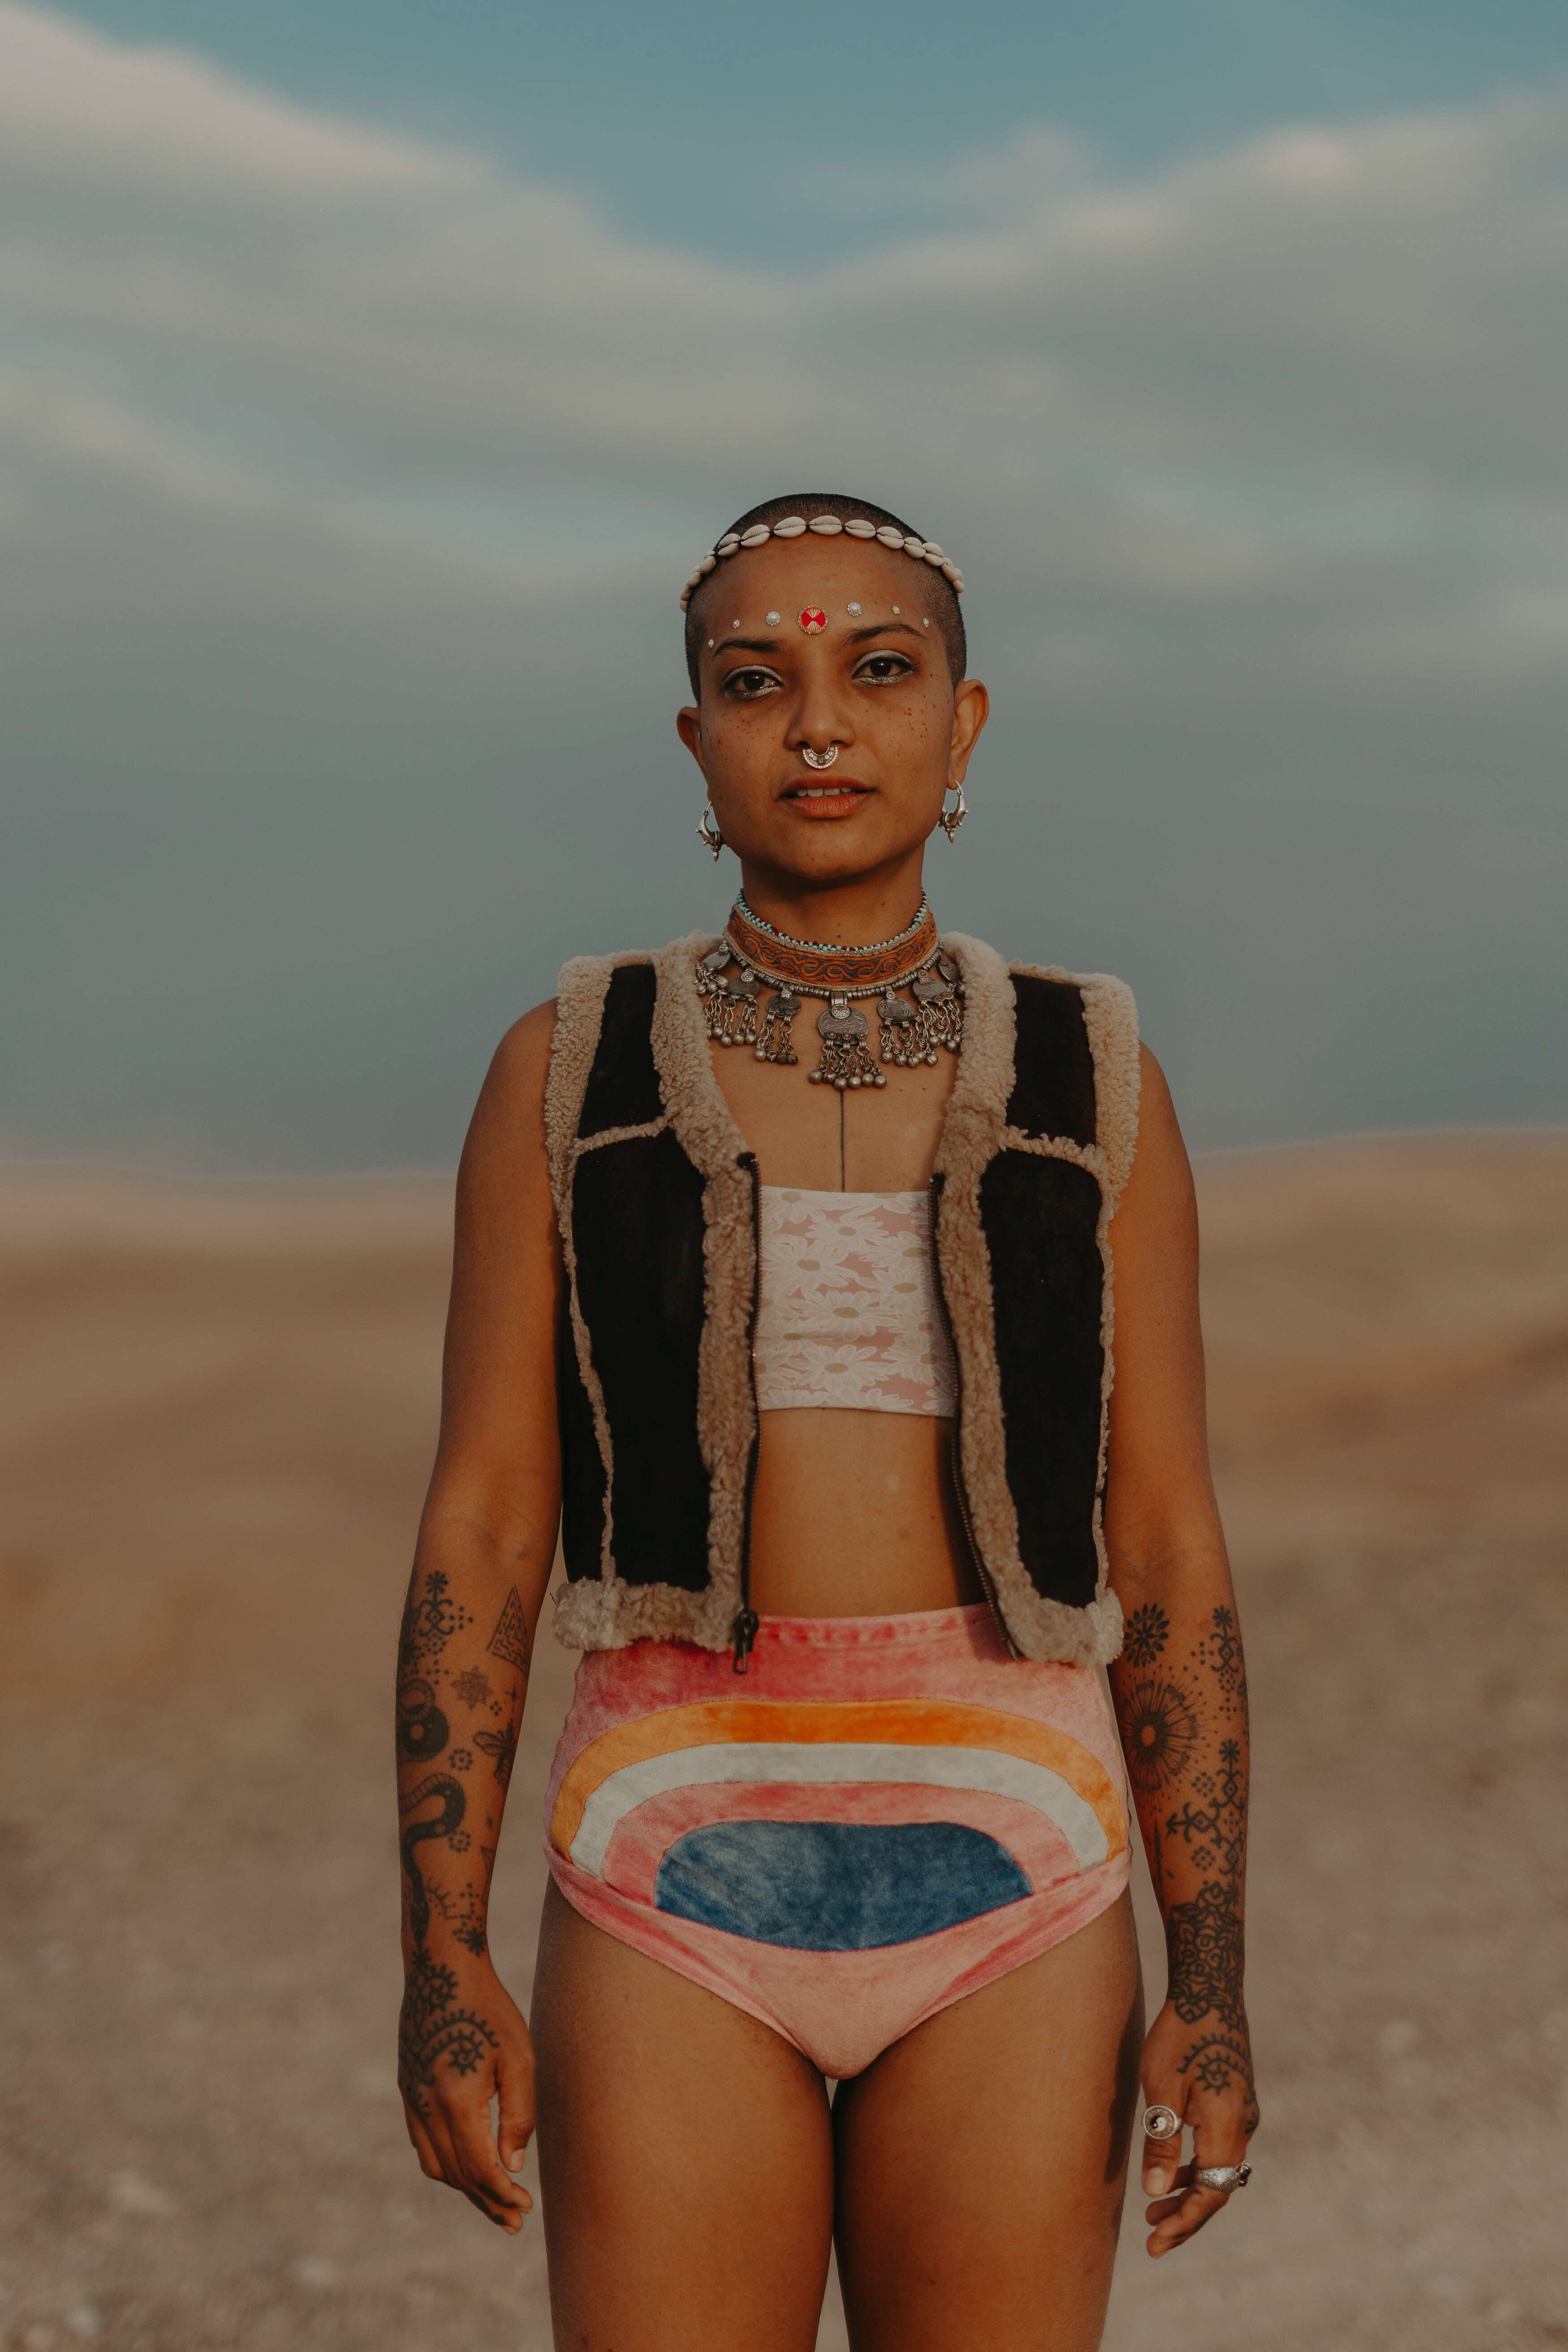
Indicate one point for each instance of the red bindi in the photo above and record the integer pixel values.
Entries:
(814, 620)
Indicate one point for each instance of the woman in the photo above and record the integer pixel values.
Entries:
(804, 1349)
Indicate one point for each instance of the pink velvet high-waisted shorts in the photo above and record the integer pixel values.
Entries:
(883, 1815)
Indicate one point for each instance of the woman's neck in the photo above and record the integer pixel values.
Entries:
(855, 914)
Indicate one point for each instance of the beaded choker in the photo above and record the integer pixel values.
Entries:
(910, 1030)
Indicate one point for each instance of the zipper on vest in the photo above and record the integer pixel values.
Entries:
(961, 1493)
(746, 1621)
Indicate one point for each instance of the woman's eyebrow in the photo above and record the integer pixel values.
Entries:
(748, 644)
(884, 629)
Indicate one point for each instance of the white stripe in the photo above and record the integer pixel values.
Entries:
(796, 1762)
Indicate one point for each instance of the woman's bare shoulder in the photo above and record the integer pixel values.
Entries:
(510, 1112)
(1161, 1180)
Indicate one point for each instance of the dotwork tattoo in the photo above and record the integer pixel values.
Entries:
(1148, 1630)
(430, 1618)
(433, 2031)
(509, 1640)
(1204, 1941)
(502, 1749)
(1220, 1652)
(1159, 1734)
(1215, 1831)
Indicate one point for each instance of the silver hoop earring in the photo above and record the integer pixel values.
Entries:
(951, 819)
(708, 831)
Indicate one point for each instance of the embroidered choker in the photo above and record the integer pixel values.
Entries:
(910, 1031)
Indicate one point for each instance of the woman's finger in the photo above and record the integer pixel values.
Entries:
(429, 2162)
(1219, 2138)
(481, 2169)
(1161, 2155)
(514, 2126)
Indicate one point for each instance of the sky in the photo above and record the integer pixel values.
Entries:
(371, 376)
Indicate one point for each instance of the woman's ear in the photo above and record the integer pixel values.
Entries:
(971, 709)
(688, 726)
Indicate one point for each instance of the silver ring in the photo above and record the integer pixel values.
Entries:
(820, 759)
(1221, 2176)
(1162, 2123)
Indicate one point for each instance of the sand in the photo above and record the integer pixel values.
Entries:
(217, 1415)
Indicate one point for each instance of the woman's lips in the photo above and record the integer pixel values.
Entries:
(838, 799)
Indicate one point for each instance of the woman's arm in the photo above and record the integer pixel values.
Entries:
(487, 1541)
(1180, 1686)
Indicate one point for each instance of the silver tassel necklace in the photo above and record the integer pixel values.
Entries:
(909, 1029)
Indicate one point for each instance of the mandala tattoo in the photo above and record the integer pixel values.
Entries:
(1218, 2061)
(1148, 1630)
(1217, 1829)
(1204, 1941)
(473, 1687)
(1159, 1734)
(509, 1640)
(500, 1747)
(461, 1759)
(433, 2031)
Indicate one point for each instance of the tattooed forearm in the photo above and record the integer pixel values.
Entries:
(1180, 1689)
(459, 1707)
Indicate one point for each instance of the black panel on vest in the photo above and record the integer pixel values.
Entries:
(637, 1222)
(623, 1085)
(1040, 1218)
(1053, 1081)
(581, 1465)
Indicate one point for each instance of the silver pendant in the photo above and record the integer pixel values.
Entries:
(939, 1010)
(901, 1026)
(774, 1043)
(847, 1060)
(731, 1010)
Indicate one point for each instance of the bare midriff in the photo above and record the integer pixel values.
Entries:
(854, 1516)
(854, 1513)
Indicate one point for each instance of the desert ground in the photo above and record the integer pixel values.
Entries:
(217, 1413)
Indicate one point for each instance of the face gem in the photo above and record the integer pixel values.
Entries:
(925, 625)
(773, 620)
(709, 645)
(734, 624)
(814, 620)
(895, 608)
(853, 611)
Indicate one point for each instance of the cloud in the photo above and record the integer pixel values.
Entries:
(329, 457)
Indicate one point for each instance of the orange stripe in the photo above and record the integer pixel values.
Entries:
(891, 1722)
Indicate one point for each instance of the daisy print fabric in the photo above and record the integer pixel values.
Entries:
(847, 1314)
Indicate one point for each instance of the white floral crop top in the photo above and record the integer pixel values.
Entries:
(848, 1314)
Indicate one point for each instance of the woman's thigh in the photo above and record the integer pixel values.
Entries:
(685, 2157)
(982, 2160)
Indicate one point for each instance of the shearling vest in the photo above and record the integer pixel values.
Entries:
(655, 1192)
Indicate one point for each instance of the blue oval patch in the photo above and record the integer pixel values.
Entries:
(836, 1887)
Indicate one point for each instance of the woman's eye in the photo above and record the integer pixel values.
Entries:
(746, 685)
(883, 670)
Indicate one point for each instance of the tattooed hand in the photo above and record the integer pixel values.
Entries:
(1204, 2070)
(461, 2043)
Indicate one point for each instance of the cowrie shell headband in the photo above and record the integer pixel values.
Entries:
(925, 551)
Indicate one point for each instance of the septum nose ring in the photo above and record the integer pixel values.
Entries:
(820, 759)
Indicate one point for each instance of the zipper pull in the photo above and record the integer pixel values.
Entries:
(746, 1625)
